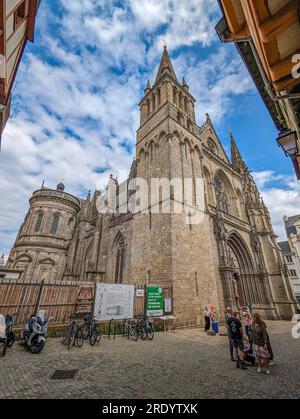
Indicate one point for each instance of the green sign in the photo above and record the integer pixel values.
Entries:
(155, 301)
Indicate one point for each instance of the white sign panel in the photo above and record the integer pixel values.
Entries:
(114, 302)
(140, 293)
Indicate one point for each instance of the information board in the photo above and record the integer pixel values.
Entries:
(155, 301)
(114, 302)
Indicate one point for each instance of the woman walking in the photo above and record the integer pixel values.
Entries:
(259, 339)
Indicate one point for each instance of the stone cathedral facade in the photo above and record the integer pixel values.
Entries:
(230, 259)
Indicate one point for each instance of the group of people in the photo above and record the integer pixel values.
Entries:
(249, 341)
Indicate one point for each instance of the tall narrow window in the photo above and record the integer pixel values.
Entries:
(148, 107)
(186, 105)
(120, 261)
(153, 103)
(180, 101)
(158, 97)
(38, 223)
(175, 96)
(54, 225)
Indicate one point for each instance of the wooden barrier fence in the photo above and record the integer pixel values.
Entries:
(58, 298)
(24, 298)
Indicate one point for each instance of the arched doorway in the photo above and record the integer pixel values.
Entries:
(244, 277)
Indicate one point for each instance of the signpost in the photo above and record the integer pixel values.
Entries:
(155, 301)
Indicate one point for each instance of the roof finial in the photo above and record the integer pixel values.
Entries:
(148, 88)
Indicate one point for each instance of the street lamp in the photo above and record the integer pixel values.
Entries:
(287, 140)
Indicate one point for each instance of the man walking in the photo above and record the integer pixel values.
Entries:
(235, 329)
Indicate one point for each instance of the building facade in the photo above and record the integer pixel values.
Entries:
(17, 20)
(267, 36)
(230, 258)
(291, 252)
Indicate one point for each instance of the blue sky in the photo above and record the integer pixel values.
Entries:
(76, 99)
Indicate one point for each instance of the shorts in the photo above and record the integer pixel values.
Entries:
(238, 343)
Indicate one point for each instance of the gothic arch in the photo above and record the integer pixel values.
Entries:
(248, 287)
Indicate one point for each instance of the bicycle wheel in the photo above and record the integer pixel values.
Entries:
(95, 335)
(85, 330)
(65, 335)
(142, 331)
(78, 339)
(150, 332)
(133, 332)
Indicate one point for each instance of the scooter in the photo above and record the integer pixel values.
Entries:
(7, 336)
(35, 333)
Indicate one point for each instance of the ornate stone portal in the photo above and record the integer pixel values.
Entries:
(230, 259)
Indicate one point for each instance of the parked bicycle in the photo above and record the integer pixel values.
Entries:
(7, 336)
(129, 329)
(73, 334)
(91, 330)
(145, 327)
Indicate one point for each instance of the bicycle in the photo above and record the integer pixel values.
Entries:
(145, 327)
(91, 330)
(73, 334)
(129, 329)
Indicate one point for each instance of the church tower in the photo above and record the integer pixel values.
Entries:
(169, 148)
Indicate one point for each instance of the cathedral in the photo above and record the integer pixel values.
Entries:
(230, 259)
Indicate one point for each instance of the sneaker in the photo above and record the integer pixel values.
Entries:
(259, 370)
(268, 372)
(238, 365)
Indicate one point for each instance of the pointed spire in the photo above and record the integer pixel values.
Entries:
(2, 260)
(165, 66)
(185, 85)
(236, 158)
(148, 88)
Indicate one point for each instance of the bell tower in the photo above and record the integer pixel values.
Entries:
(167, 92)
(166, 107)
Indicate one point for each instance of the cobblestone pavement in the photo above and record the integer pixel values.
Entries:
(180, 364)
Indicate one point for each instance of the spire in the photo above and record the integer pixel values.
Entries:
(185, 85)
(148, 88)
(165, 66)
(236, 158)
